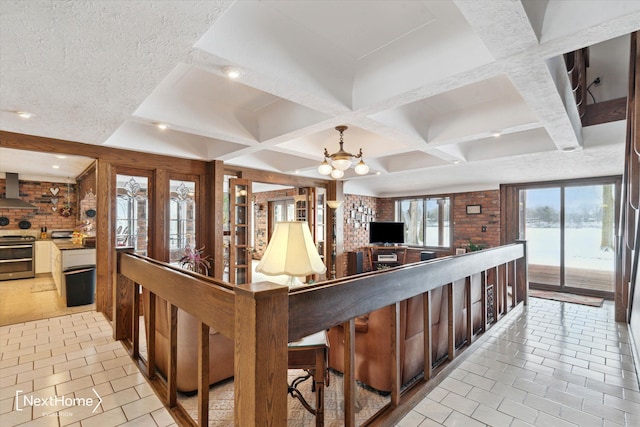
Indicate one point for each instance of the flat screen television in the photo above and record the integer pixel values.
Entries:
(386, 232)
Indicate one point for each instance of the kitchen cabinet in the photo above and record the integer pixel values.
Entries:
(56, 266)
(43, 256)
(67, 255)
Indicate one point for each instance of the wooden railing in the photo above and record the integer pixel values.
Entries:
(261, 318)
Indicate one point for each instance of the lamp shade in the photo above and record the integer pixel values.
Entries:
(291, 251)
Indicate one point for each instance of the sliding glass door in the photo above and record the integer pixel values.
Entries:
(589, 234)
(569, 230)
(542, 230)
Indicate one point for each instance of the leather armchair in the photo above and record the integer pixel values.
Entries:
(373, 337)
(220, 347)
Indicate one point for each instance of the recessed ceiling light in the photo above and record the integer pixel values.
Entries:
(55, 167)
(496, 134)
(24, 114)
(232, 72)
(455, 162)
(378, 173)
(61, 156)
(162, 126)
(569, 149)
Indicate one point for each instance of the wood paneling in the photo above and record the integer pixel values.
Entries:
(332, 304)
(606, 111)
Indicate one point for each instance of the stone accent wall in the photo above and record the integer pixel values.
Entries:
(470, 227)
(39, 194)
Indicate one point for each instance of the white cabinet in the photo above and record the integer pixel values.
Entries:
(43, 256)
(78, 257)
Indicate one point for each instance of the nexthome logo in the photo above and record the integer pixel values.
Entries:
(55, 404)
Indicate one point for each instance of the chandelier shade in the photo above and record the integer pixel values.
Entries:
(335, 164)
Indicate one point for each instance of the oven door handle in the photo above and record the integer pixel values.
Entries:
(3, 261)
(15, 246)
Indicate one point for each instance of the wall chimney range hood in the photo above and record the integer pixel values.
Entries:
(12, 194)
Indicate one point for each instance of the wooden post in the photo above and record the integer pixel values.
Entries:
(203, 375)
(428, 352)
(469, 319)
(452, 322)
(522, 275)
(349, 328)
(261, 335)
(396, 379)
(122, 302)
(172, 371)
(150, 318)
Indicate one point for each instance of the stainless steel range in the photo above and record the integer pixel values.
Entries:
(17, 260)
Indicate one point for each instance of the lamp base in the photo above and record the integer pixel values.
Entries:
(294, 282)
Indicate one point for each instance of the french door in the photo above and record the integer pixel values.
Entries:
(240, 231)
(570, 231)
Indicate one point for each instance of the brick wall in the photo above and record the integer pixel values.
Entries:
(465, 226)
(39, 194)
(470, 226)
(357, 238)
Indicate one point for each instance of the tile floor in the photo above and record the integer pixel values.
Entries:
(555, 364)
(70, 359)
(19, 304)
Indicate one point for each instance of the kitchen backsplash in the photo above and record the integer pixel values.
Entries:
(52, 199)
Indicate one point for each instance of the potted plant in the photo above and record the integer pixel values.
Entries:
(193, 260)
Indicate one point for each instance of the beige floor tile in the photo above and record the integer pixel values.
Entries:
(142, 406)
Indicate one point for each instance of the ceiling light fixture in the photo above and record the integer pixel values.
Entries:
(232, 72)
(335, 164)
(569, 149)
(495, 134)
(24, 114)
(162, 126)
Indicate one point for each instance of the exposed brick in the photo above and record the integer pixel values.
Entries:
(39, 194)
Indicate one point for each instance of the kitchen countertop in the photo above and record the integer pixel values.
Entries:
(69, 244)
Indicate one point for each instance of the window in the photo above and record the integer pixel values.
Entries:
(131, 212)
(182, 218)
(426, 221)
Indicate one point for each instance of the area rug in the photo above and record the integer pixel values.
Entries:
(42, 287)
(221, 403)
(564, 297)
(221, 399)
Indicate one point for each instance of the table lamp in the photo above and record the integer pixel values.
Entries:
(291, 251)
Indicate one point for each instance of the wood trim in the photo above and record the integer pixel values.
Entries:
(605, 112)
(119, 156)
(349, 328)
(172, 370)
(261, 354)
(469, 319)
(428, 346)
(396, 361)
(203, 376)
(451, 331)
(211, 301)
(213, 230)
(331, 303)
(270, 177)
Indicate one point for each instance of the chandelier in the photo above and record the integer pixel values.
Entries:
(335, 164)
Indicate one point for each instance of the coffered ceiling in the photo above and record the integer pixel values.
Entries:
(441, 95)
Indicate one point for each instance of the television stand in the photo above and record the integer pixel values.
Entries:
(381, 257)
